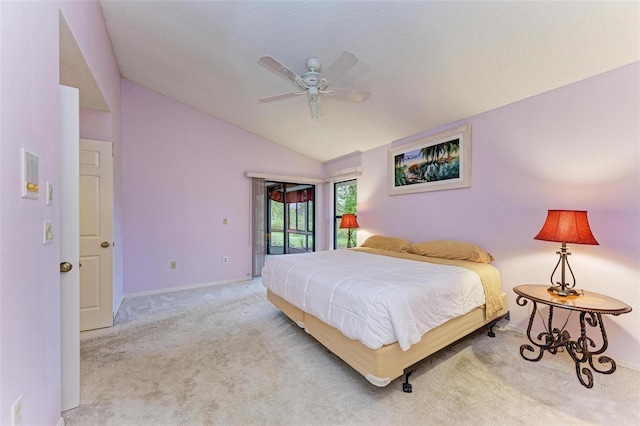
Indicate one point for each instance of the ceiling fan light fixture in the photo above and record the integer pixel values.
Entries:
(316, 108)
(314, 103)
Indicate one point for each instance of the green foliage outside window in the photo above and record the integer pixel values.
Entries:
(277, 215)
(346, 202)
(346, 199)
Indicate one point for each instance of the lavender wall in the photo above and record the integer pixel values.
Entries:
(29, 115)
(29, 283)
(576, 147)
(95, 125)
(183, 173)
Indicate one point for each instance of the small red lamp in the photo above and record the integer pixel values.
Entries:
(566, 226)
(349, 222)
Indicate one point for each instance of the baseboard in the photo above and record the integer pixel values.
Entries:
(60, 422)
(115, 311)
(511, 327)
(629, 365)
(185, 287)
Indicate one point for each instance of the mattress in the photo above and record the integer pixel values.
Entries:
(375, 299)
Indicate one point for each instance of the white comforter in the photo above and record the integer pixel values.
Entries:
(375, 299)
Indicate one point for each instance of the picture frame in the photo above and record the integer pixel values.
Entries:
(435, 163)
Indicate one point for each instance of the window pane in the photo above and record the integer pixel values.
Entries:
(277, 239)
(310, 217)
(293, 217)
(346, 198)
(297, 241)
(277, 215)
(342, 236)
(302, 217)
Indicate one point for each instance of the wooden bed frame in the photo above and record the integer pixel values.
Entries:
(381, 366)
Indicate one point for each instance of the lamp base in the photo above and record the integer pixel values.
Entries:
(350, 238)
(564, 292)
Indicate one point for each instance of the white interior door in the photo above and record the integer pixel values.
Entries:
(69, 204)
(96, 234)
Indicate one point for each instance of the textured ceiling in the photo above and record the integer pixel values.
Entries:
(75, 72)
(425, 63)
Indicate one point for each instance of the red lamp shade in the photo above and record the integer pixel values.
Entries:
(349, 221)
(567, 226)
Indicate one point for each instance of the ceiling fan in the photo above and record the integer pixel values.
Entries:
(313, 84)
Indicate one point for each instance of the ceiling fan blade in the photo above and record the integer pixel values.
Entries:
(280, 69)
(344, 63)
(348, 95)
(278, 97)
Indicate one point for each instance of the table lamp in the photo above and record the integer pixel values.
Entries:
(565, 226)
(349, 222)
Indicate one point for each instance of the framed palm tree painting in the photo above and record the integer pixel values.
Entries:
(435, 163)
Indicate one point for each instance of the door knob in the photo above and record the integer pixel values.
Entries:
(65, 267)
(104, 244)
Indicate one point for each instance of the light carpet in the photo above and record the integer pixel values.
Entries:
(224, 355)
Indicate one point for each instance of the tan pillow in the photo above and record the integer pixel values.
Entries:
(386, 243)
(451, 250)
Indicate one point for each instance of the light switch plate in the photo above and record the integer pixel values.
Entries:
(47, 232)
(49, 193)
(16, 412)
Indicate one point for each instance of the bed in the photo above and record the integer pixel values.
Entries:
(387, 305)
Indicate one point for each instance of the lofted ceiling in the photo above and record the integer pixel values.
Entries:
(75, 72)
(425, 63)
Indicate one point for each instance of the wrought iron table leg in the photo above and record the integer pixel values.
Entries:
(554, 338)
(580, 353)
(521, 301)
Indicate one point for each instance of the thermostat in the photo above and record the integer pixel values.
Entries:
(30, 174)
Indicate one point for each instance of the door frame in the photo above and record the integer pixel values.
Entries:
(69, 205)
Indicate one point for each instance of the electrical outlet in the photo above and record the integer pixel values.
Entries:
(16, 412)
(225, 259)
(174, 264)
(224, 221)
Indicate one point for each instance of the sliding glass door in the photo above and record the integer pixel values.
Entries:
(290, 217)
